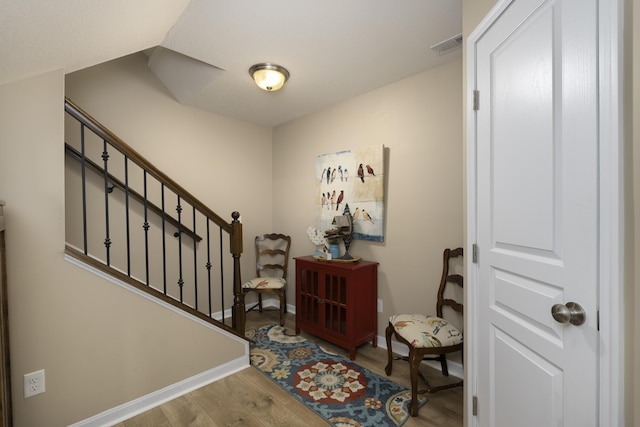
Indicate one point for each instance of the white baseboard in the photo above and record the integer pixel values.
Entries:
(156, 398)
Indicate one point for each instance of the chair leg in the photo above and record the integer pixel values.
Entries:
(443, 364)
(388, 333)
(284, 292)
(282, 306)
(414, 366)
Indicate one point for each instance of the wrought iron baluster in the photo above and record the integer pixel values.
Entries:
(126, 207)
(221, 276)
(83, 166)
(164, 244)
(107, 239)
(208, 266)
(180, 279)
(195, 258)
(146, 226)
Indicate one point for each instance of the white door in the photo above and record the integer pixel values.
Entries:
(537, 215)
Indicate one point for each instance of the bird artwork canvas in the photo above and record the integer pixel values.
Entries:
(355, 178)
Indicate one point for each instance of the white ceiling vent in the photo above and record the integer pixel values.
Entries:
(448, 45)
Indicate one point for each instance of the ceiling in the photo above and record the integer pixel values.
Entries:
(334, 49)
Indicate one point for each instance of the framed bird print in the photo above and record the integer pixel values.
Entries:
(354, 177)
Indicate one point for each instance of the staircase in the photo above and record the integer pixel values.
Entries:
(128, 219)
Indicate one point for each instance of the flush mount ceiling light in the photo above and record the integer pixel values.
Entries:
(269, 77)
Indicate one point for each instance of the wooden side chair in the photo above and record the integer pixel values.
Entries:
(272, 260)
(428, 337)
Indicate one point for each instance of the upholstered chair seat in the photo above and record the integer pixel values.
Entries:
(265, 283)
(425, 331)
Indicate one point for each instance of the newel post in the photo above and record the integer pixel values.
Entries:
(238, 321)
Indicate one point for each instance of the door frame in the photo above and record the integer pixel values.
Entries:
(610, 213)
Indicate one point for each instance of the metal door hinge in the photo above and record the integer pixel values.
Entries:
(474, 258)
(476, 100)
(475, 405)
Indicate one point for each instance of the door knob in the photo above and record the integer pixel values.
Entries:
(572, 312)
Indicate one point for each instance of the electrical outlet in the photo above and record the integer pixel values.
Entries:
(379, 306)
(34, 383)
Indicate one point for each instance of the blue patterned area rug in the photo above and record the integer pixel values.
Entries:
(337, 389)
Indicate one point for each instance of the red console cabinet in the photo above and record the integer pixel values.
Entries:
(337, 301)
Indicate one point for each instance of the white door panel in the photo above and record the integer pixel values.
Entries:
(537, 224)
(533, 409)
(523, 137)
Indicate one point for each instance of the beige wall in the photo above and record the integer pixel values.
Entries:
(473, 13)
(100, 345)
(418, 121)
(223, 162)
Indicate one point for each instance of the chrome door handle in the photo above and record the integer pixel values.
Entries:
(571, 312)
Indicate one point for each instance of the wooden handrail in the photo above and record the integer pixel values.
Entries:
(135, 157)
(234, 229)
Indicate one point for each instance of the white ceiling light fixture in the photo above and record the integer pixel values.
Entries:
(269, 77)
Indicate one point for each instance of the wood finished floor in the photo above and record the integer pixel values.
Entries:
(248, 398)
